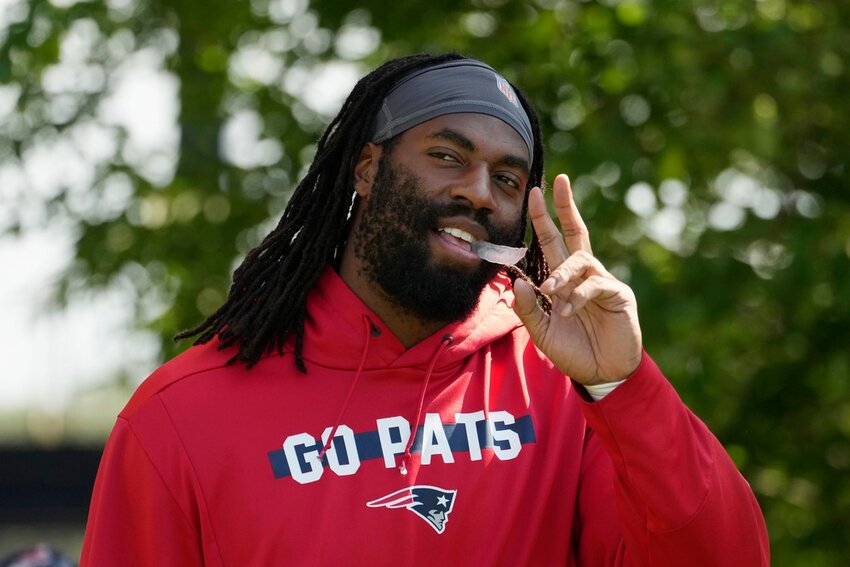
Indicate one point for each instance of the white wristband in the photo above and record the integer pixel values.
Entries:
(599, 391)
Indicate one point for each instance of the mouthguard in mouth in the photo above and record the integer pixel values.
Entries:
(498, 254)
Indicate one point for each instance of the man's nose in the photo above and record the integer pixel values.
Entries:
(476, 188)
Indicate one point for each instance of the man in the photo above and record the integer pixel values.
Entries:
(372, 392)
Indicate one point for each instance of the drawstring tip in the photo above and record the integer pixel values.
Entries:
(402, 469)
(325, 449)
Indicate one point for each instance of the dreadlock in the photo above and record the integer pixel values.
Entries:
(267, 300)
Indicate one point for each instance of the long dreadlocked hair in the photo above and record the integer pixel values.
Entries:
(267, 300)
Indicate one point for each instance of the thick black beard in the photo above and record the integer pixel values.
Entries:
(392, 244)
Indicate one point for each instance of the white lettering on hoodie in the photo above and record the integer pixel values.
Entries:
(343, 458)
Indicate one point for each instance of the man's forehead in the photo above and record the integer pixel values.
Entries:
(474, 132)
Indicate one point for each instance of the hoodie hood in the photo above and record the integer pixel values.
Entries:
(334, 329)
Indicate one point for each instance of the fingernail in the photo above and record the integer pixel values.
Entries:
(567, 310)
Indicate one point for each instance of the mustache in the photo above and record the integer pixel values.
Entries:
(496, 234)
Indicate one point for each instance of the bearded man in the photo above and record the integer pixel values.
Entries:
(384, 386)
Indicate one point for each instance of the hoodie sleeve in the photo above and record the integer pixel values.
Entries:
(657, 488)
(135, 519)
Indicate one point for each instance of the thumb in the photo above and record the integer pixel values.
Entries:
(526, 308)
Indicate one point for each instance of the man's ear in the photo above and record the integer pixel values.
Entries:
(366, 168)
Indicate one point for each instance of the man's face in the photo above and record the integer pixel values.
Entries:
(449, 179)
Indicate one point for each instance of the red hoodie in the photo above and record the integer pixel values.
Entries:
(510, 464)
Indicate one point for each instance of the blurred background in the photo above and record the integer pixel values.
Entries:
(146, 145)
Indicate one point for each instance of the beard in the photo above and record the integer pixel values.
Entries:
(393, 246)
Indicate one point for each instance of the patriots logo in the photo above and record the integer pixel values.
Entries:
(506, 90)
(431, 503)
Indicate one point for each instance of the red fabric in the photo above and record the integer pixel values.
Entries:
(198, 468)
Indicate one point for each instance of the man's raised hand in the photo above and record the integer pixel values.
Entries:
(592, 334)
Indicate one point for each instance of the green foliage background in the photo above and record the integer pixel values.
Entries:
(706, 140)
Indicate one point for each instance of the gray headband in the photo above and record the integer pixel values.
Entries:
(463, 85)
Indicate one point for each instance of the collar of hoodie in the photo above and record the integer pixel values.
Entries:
(334, 330)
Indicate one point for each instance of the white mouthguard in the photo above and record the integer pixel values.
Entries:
(498, 254)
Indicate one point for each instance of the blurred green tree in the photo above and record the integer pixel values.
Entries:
(706, 140)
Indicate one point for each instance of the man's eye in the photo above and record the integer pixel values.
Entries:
(443, 156)
(508, 180)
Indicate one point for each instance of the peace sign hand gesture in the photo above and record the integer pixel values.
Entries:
(592, 334)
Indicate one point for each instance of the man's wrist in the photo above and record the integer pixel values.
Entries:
(599, 391)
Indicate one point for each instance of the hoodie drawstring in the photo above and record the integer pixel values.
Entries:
(444, 343)
(368, 328)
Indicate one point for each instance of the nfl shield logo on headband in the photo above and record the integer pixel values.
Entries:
(506, 90)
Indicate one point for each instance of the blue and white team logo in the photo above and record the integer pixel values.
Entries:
(431, 503)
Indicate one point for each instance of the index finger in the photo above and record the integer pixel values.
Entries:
(575, 231)
(551, 241)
